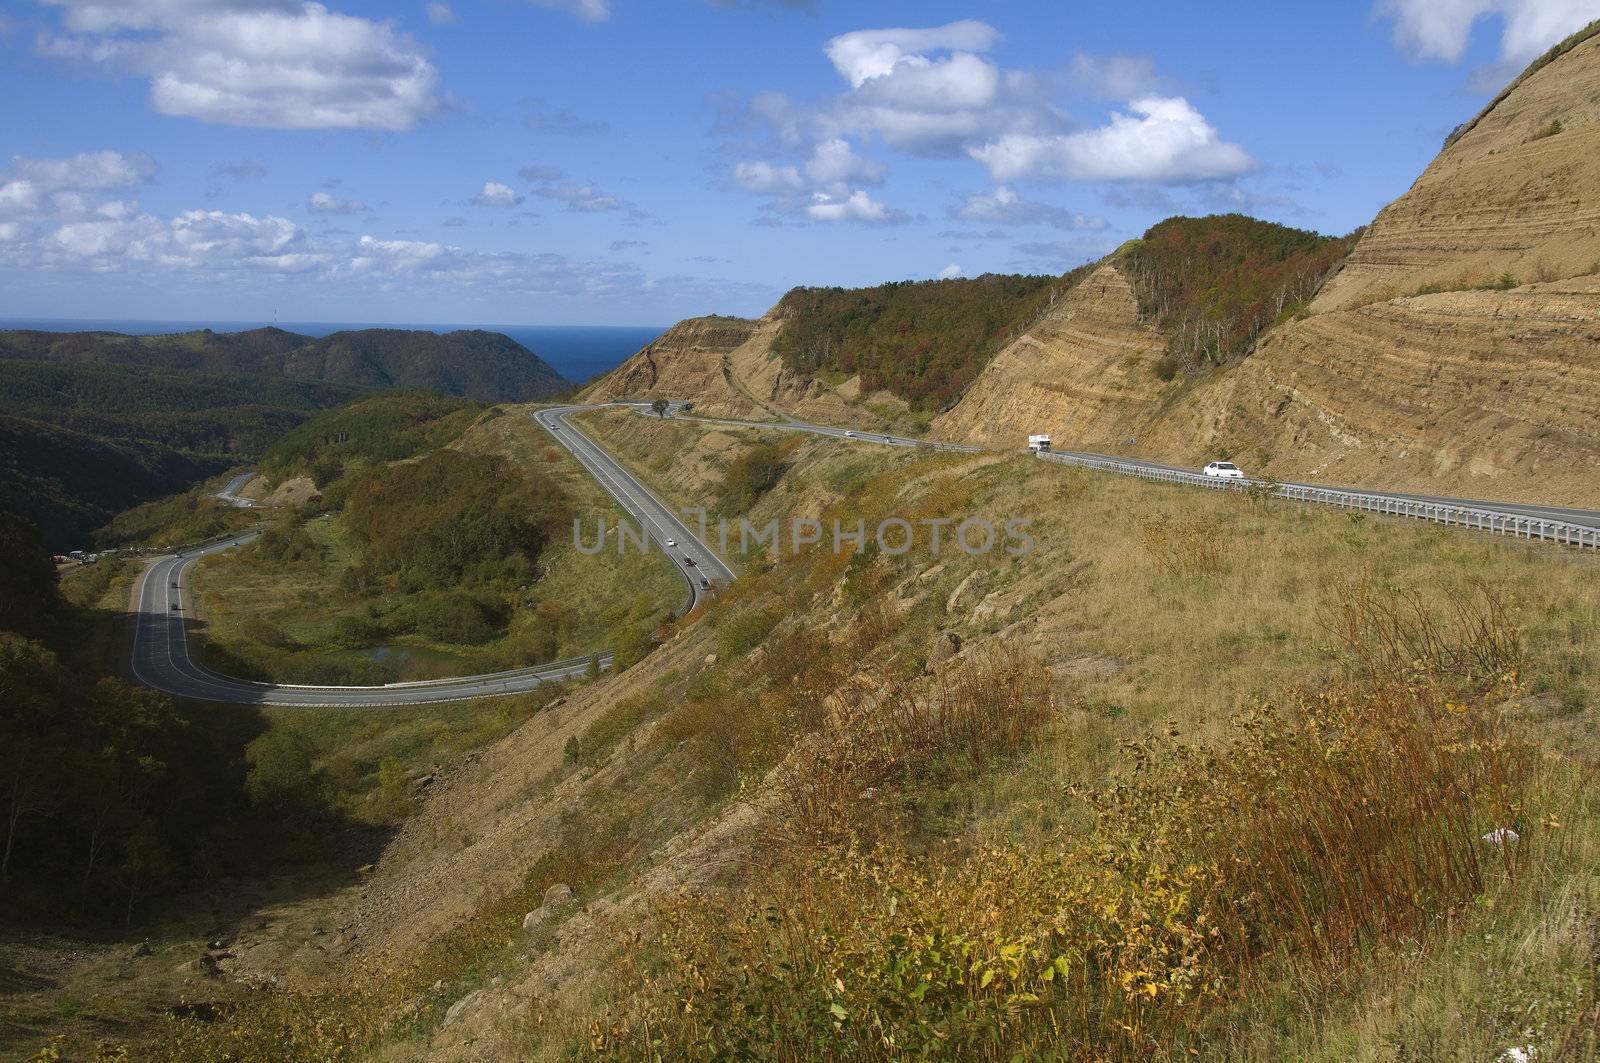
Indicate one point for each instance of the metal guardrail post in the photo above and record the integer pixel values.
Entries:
(1491, 521)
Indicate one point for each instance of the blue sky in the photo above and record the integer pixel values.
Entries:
(623, 162)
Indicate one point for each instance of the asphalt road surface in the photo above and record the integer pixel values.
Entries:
(1585, 517)
(162, 604)
(163, 609)
(658, 521)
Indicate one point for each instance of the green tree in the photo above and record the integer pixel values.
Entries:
(660, 407)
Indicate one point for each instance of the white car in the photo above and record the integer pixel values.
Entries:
(672, 542)
(1225, 469)
(849, 435)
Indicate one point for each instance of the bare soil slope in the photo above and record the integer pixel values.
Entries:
(1459, 348)
(1083, 374)
(1456, 352)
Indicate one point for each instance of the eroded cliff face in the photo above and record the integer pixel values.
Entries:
(1084, 374)
(1489, 394)
(688, 361)
(728, 368)
(1517, 193)
(1458, 350)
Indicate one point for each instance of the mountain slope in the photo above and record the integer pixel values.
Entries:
(1459, 348)
(473, 363)
(1086, 371)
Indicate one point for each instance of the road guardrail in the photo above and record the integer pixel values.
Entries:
(1563, 533)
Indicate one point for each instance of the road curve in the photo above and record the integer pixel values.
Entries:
(1586, 518)
(162, 607)
(701, 569)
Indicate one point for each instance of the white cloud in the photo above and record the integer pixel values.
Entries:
(767, 179)
(856, 207)
(1004, 207)
(834, 163)
(324, 203)
(283, 64)
(1441, 29)
(439, 14)
(495, 194)
(1165, 140)
(935, 92)
(584, 199)
(867, 54)
(588, 10)
(36, 189)
(950, 272)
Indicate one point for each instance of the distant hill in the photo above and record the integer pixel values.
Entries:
(68, 483)
(95, 422)
(472, 363)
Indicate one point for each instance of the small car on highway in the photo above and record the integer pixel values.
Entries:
(1224, 469)
(688, 561)
(672, 542)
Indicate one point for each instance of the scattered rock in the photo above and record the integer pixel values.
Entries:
(141, 949)
(946, 644)
(956, 595)
(1502, 836)
(460, 1007)
(556, 898)
(711, 659)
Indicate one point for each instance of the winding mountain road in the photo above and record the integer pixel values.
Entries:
(162, 606)
(1581, 518)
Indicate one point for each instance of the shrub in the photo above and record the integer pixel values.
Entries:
(1186, 546)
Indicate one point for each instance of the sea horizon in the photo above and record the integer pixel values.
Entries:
(577, 352)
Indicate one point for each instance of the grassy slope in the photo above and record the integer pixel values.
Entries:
(580, 598)
(1135, 634)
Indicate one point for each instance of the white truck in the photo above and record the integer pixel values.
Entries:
(1039, 444)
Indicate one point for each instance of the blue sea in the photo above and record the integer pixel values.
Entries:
(577, 352)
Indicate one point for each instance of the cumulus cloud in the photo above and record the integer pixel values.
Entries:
(1004, 207)
(856, 207)
(495, 194)
(1164, 140)
(94, 240)
(950, 272)
(70, 187)
(936, 92)
(439, 14)
(326, 203)
(283, 64)
(866, 54)
(1441, 29)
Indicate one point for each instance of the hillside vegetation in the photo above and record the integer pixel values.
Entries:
(98, 422)
(438, 542)
(1213, 284)
(924, 341)
(471, 362)
(874, 805)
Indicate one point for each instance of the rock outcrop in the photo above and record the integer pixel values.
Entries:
(1084, 374)
(1458, 350)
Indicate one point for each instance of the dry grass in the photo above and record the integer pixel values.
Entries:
(1327, 821)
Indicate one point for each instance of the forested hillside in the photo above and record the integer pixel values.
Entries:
(1213, 284)
(97, 422)
(475, 363)
(924, 341)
